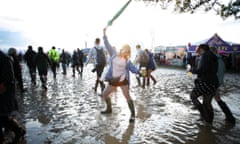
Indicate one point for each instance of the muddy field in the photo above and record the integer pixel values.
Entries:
(69, 112)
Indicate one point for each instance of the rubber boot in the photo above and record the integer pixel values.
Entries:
(96, 85)
(227, 112)
(154, 80)
(200, 108)
(144, 82)
(33, 77)
(132, 110)
(102, 86)
(138, 81)
(109, 107)
(148, 81)
(208, 112)
(44, 82)
(18, 130)
(73, 70)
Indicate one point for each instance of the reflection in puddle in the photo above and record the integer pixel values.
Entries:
(69, 112)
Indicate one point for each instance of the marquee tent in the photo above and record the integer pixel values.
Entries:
(219, 43)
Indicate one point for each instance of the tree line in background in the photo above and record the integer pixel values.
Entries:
(225, 10)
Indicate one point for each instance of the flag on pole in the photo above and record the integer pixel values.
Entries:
(110, 22)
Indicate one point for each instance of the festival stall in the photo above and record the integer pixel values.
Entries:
(229, 51)
(219, 43)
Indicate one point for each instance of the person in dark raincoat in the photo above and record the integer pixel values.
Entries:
(81, 58)
(29, 58)
(220, 73)
(64, 61)
(151, 68)
(12, 52)
(75, 62)
(206, 83)
(8, 102)
(42, 63)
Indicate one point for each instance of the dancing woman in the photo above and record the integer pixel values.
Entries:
(118, 75)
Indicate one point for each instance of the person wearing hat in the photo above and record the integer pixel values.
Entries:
(206, 83)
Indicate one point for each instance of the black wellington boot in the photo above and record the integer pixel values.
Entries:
(144, 82)
(227, 112)
(132, 109)
(208, 114)
(148, 81)
(96, 85)
(109, 107)
(138, 81)
(102, 86)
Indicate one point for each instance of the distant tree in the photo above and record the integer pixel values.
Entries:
(225, 10)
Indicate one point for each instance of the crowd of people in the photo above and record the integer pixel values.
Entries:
(117, 74)
(117, 65)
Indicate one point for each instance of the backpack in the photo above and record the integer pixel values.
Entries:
(101, 59)
(144, 58)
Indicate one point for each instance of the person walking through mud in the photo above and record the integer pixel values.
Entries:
(64, 60)
(75, 62)
(220, 74)
(151, 68)
(54, 59)
(12, 52)
(81, 59)
(206, 82)
(142, 60)
(8, 102)
(118, 75)
(41, 61)
(98, 54)
(29, 58)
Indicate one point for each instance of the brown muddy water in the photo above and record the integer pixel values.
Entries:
(69, 112)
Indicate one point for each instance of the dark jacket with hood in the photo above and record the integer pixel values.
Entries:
(29, 58)
(41, 61)
(207, 70)
(8, 101)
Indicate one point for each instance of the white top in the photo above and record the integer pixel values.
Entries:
(119, 68)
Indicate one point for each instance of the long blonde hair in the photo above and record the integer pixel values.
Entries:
(125, 51)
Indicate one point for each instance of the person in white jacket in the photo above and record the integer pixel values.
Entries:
(98, 54)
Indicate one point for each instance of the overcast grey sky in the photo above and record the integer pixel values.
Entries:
(70, 23)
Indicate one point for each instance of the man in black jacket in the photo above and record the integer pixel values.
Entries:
(29, 58)
(206, 83)
(42, 62)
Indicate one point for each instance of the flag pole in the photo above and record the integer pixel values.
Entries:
(110, 22)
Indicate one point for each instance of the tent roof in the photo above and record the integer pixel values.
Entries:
(219, 43)
(215, 40)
